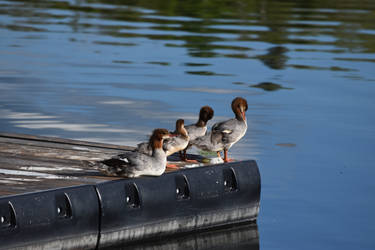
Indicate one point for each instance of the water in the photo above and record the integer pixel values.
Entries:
(111, 71)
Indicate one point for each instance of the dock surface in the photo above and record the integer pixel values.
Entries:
(34, 163)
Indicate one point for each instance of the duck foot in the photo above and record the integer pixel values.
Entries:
(226, 158)
(184, 158)
(191, 161)
(173, 166)
(229, 160)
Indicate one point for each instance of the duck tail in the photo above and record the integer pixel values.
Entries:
(111, 167)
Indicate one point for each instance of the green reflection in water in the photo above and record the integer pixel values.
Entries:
(207, 73)
(240, 56)
(200, 25)
(114, 43)
(269, 86)
(23, 28)
(332, 68)
(122, 61)
(160, 63)
(275, 58)
(238, 83)
(197, 64)
(354, 59)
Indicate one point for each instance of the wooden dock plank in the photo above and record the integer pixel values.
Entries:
(32, 163)
(56, 140)
(79, 153)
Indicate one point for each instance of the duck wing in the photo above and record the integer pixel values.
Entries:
(231, 130)
(134, 159)
(125, 164)
(144, 148)
(172, 145)
(209, 142)
(223, 130)
(224, 126)
(195, 132)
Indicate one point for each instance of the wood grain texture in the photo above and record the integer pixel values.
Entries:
(31, 163)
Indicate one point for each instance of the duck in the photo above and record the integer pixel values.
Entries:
(179, 141)
(134, 164)
(198, 129)
(225, 134)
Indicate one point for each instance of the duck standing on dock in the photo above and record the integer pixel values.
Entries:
(134, 164)
(179, 140)
(226, 133)
(198, 129)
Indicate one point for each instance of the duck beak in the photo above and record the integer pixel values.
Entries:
(243, 115)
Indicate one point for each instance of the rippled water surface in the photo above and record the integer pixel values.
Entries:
(111, 71)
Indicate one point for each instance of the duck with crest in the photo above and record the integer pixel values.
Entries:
(226, 133)
(179, 141)
(135, 164)
(198, 129)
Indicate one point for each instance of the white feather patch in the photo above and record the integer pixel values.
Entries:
(227, 131)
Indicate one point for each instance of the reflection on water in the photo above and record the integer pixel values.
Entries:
(111, 71)
(238, 238)
(268, 86)
(275, 58)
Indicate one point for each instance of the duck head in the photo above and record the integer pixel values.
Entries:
(157, 137)
(239, 107)
(205, 114)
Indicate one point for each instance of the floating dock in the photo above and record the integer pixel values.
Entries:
(50, 198)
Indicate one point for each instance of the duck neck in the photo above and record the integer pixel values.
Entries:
(240, 116)
(158, 153)
(184, 133)
(241, 119)
(201, 123)
(157, 147)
